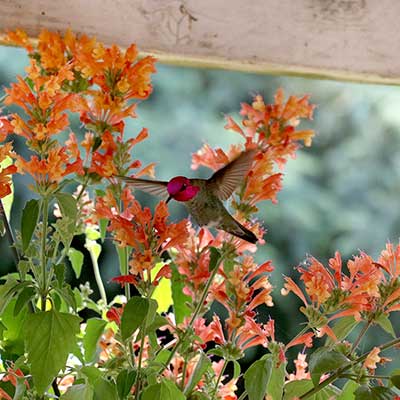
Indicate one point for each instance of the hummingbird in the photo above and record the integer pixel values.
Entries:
(204, 197)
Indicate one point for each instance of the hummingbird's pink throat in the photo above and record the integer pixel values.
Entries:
(181, 189)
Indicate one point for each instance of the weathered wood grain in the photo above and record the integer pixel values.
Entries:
(341, 39)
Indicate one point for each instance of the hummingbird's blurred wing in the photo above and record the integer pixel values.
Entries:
(155, 188)
(227, 179)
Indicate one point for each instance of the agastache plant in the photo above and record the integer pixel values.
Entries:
(162, 339)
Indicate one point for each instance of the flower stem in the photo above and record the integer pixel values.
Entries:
(195, 314)
(361, 335)
(97, 275)
(43, 258)
(340, 371)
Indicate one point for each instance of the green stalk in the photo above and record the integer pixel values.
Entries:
(243, 396)
(138, 380)
(219, 379)
(97, 275)
(340, 371)
(195, 314)
(43, 258)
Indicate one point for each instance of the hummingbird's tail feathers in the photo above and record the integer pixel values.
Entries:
(243, 233)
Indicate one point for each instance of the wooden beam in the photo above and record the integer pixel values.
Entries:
(356, 40)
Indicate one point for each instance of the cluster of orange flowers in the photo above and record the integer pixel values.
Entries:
(369, 290)
(68, 73)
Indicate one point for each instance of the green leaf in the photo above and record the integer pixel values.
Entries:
(256, 379)
(13, 336)
(30, 215)
(7, 291)
(179, 299)
(81, 391)
(342, 327)
(165, 390)
(384, 322)
(295, 389)
(59, 272)
(203, 364)
(104, 389)
(125, 381)
(49, 338)
(68, 205)
(277, 379)
(324, 360)
(348, 390)
(162, 292)
(236, 369)
(375, 393)
(24, 296)
(215, 257)
(395, 378)
(135, 312)
(94, 330)
(76, 258)
(91, 373)
(103, 228)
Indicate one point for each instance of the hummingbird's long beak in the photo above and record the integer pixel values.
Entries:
(169, 198)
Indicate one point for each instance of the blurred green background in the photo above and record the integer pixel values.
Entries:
(340, 194)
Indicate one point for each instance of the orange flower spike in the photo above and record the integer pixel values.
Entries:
(19, 38)
(291, 286)
(51, 48)
(390, 260)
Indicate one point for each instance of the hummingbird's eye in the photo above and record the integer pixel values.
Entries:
(184, 186)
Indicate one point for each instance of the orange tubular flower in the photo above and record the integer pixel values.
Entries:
(5, 178)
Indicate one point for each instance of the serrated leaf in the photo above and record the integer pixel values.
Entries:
(165, 390)
(94, 330)
(76, 257)
(296, 389)
(135, 313)
(384, 322)
(179, 299)
(125, 381)
(49, 338)
(23, 297)
(104, 389)
(30, 215)
(203, 364)
(324, 360)
(256, 379)
(82, 391)
(215, 257)
(375, 393)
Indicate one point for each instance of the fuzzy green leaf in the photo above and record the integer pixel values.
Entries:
(135, 312)
(49, 338)
(348, 390)
(30, 215)
(165, 390)
(384, 322)
(82, 391)
(295, 389)
(104, 389)
(324, 360)
(257, 377)
(179, 299)
(215, 257)
(277, 379)
(375, 393)
(23, 297)
(203, 364)
(76, 258)
(125, 381)
(94, 330)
